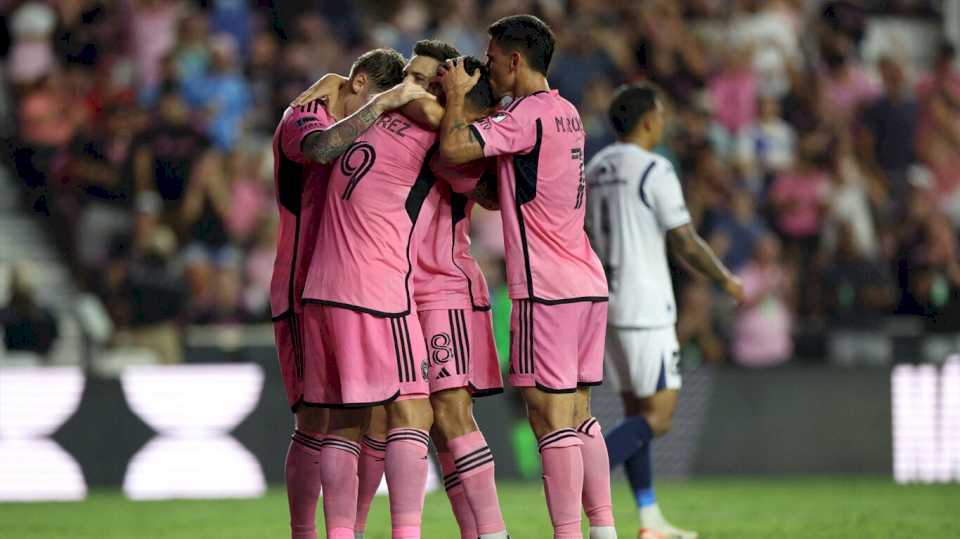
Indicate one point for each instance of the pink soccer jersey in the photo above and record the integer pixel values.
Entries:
(446, 275)
(301, 188)
(538, 141)
(379, 202)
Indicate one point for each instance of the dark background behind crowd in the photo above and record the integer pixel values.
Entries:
(821, 162)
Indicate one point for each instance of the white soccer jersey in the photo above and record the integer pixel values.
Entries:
(634, 198)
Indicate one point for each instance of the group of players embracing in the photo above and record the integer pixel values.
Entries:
(382, 316)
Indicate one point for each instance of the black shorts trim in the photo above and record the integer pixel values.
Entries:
(282, 316)
(481, 393)
(590, 384)
(546, 389)
(592, 299)
(296, 405)
(482, 308)
(357, 308)
(350, 405)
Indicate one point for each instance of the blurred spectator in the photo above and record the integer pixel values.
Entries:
(27, 325)
(696, 327)
(166, 155)
(146, 287)
(762, 329)
(853, 193)
(857, 287)
(887, 129)
(153, 34)
(768, 145)
(99, 184)
(799, 197)
(735, 230)
(938, 135)
(31, 57)
(846, 85)
(733, 92)
(222, 94)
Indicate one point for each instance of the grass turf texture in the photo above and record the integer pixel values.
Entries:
(717, 508)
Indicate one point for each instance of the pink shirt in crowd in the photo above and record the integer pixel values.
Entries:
(734, 98)
(800, 198)
(538, 142)
(762, 329)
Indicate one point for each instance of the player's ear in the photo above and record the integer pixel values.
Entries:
(359, 82)
(515, 59)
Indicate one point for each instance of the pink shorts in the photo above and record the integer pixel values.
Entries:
(363, 360)
(462, 351)
(557, 347)
(289, 338)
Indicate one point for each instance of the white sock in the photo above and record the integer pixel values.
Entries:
(603, 532)
(496, 535)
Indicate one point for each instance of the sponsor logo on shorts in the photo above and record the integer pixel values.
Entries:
(675, 363)
(425, 369)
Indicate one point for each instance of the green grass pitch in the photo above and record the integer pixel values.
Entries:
(718, 508)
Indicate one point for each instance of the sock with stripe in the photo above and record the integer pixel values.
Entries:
(474, 462)
(627, 438)
(372, 461)
(338, 463)
(640, 475)
(406, 468)
(563, 481)
(302, 472)
(597, 501)
(457, 497)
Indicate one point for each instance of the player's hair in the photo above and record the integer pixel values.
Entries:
(480, 97)
(384, 68)
(527, 35)
(436, 49)
(630, 103)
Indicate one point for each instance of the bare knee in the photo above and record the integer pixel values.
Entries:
(349, 424)
(313, 420)
(582, 410)
(549, 412)
(453, 413)
(660, 423)
(412, 413)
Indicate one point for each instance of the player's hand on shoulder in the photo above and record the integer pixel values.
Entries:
(324, 89)
(454, 77)
(401, 94)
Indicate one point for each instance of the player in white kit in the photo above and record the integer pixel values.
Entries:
(635, 210)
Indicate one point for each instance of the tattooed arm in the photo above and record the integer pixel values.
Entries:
(458, 144)
(326, 145)
(688, 245)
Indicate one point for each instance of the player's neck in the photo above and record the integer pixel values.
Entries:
(529, 83)
(640, 139)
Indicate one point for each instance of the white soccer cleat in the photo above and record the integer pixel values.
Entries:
(653, 523)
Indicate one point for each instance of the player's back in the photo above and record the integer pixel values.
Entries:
(446, 274)
(378, 197)
(300, 191)
(635, 198)
(542, 196)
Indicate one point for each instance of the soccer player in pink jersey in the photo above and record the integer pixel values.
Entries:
(453, 305)
(555, 279)
(307, 139)
(359, 311)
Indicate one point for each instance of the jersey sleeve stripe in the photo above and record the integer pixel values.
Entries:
(643, 183)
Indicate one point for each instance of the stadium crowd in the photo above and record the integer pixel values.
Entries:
(831, 184)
